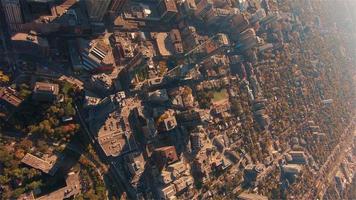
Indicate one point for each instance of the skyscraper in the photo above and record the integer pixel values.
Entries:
(117, 6)
(167, 9)
(203, 7)
(13, 15)
(97, 9)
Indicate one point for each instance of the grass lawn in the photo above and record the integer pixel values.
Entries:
(220, 95)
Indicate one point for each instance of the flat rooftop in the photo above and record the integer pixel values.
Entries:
(111, 136)
(46, 165)
(10, 96)
(30, 38)
(46, 87)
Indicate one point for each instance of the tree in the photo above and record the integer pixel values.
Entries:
(34, 185)
(79, 197)
(17, 192)
(5, 158)
(42, 146)
(31, 173)
(24, 91)
(100, 190)
(67, 88)
(69, 110)
(4, 180)
(45, 127)
(4, 78)
(26, 144)
(16, 173)
(19, 154)
(91, 195)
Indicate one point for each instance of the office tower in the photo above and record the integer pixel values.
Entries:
(97, 9)
(13, 15)
(167, 9)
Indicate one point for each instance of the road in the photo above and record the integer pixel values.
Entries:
(113, 171)
(337, 157)
(100, 168)
(325, 174)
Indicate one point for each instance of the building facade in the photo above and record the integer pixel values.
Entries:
(13, 14)
(97, 9)
(117, 6)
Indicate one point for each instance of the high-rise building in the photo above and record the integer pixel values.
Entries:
(167, 9)
(203, 7)
(117, 6)
(13, 14)
(216, 16)
(97, 9)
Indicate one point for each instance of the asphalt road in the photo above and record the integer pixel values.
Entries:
(323, 178)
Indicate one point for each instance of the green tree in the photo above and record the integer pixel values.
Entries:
(34, 185)
(26, 144)
(24, 91)
(67, 88)
(69, 110)
(45, 127)
(17, 192)
(91, 195)
(4, 180)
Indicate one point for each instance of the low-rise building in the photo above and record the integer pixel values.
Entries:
(30, 44)
(167, 124)
(251, 196)
(183, 183)
(45, 91)
(298, 157)
(189, 118)
(165, 156)
(167, 192)
(47, 164)
(182, 97)
(90, 101)
(72, 188)
(292, 169)
(158, 96)
(177, 169)
(76, 83)
(9, 101)
(168, 43)
(166, 177)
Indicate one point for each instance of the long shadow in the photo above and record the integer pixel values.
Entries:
(60, 17)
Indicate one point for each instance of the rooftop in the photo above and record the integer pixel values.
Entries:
(73, 81)
(72, 188)
(170, 5)
(169, 43)
(112, 135)
(251, 196)
(45, 164)
(10, 96)
(26, 37)
(46, 87)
